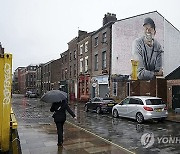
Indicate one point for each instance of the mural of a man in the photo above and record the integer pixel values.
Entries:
(147, 51)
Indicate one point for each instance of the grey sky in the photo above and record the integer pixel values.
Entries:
(36, 31)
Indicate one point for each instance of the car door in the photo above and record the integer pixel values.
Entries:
(90, 104)
(122, 107)
(95, 103)
(133, 107)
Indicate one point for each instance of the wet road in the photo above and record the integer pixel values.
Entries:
(127, 133)
(124, 132)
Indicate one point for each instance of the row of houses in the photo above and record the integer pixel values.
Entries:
(98, 63)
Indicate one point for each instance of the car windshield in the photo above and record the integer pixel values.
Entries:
(154, 102)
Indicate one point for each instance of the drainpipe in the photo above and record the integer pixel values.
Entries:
(110, 53)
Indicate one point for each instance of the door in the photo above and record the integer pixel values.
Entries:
(122, 107)
(103, 90)
(133, 107)
(175, 97)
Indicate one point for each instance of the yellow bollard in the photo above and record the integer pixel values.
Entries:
(134, 69)
(5, 100)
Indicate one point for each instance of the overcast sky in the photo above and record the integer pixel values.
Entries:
(37, 31)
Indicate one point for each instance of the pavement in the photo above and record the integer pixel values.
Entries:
(35, 140)
(172, 116)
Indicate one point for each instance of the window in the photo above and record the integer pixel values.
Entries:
(114, 88)
(65, 58)
(86, 63)
(86, 46)
(81, 64)
(126, 101)
(81, 49)
(104, 60)
(154, 102)
(66, 73)
(70, 56)
(96, 41)
(74, 69)
(96, 62)
(97, 100)
(62, 60)
(75, 54)
(104, 37)
(62, 74)
(70, 71)
(136, 101)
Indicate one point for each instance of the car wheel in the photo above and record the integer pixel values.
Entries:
(86, 108)
(98, 110)
(115, 113)
(139, 118)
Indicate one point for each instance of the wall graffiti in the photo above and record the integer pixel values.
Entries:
(7, 84)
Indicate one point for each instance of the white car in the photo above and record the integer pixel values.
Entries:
(141, 108)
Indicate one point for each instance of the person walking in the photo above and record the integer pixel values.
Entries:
(147, 51)
(59, 115)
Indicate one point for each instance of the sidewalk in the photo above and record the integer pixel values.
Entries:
(172, 116)
(42, 139)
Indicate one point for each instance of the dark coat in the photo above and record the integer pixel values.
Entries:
(60, 114)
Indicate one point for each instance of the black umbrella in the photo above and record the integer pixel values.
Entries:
(53, 96)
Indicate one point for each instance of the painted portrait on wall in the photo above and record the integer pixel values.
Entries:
(139, 41)
(147, 51)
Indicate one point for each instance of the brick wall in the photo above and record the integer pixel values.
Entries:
(170, 84)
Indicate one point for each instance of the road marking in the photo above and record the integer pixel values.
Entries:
(101, 138)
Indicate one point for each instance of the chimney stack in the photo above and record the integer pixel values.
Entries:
(1, 49)
(108, 18)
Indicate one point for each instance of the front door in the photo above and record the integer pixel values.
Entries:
(175, 97)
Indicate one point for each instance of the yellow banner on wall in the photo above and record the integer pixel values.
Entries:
(134, 69)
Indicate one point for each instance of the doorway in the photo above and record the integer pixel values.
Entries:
(175, 97)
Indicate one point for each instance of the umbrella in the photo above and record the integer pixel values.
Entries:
(54, 96)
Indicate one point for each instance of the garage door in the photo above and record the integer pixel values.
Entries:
(103, 90)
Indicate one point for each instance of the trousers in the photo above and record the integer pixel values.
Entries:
(59, 126)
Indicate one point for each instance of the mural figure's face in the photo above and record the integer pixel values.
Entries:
(149, 32)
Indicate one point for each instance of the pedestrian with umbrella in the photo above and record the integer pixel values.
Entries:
(59, 107)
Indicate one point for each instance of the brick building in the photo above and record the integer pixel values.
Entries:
(101, 57)
(84, 68)
(27, 79)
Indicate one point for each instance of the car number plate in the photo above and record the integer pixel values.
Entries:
(110, 104)
(158, 110)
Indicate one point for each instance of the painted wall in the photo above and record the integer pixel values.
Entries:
(124, 32)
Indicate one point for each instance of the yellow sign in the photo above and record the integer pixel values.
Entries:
(5, 100)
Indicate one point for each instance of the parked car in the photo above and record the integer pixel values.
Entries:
(32, 95)
(28, 93)
(100, 105)
(141, 108)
